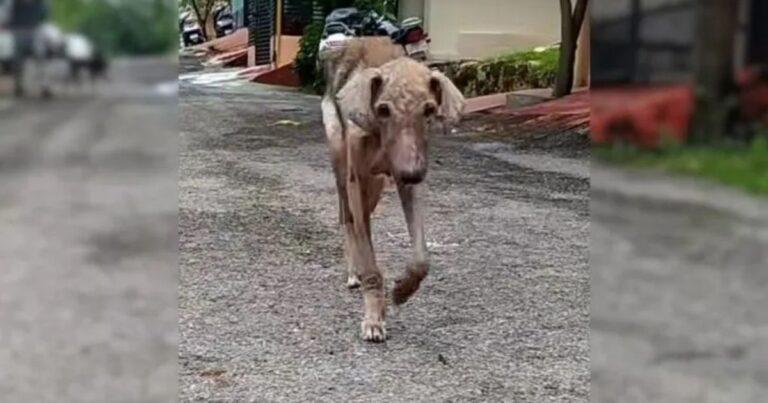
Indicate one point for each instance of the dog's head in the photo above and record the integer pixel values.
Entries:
(398, 101)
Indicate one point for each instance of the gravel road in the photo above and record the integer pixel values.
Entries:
(88, 250)
(264, 313)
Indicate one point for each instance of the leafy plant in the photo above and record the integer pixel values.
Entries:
(387, 8)
(742, 165)
(518, 70)
(305, 64)
(135, 27)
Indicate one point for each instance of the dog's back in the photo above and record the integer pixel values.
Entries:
(359, 53)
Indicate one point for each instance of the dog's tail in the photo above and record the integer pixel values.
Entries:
(407, 285)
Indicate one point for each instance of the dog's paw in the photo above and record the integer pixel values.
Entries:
(374, 331)
(407, 285)
(353, 281)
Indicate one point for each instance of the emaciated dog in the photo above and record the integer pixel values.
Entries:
(376, 111)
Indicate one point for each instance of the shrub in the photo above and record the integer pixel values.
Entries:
(519, 70)
(306, 59)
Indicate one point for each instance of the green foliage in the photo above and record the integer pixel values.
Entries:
(306, 59)
(388, 6)
(740, 165)
(125, 27)
(519, 70)
(384, 7)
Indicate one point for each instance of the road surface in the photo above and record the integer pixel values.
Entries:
(679, 279)
(88, 252)
(264, 312)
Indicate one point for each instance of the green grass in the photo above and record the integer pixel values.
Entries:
(545, 61)
(740, 166)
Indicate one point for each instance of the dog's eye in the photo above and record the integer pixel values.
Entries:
(382, 111)
(429, 110)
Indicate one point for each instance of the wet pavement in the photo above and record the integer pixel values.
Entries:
(264, 312)
(88, 252)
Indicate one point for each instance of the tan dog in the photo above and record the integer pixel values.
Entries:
(376, 113)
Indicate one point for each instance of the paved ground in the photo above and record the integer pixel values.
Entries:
(264, 314)
(679, 279)
(88, 254)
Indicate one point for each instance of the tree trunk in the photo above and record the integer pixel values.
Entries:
(582, 66)
(714, 75)
(570, 25)
(204, 17)
(210, 27)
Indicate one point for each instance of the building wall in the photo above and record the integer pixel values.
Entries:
(289, 48)
(483, 28)
(407, 8)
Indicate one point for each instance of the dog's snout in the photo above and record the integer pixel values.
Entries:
(408, 157)
(412, 177)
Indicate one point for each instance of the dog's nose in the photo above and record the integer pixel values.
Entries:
(412, 177)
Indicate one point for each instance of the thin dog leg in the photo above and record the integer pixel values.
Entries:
(373, 188)
(372, 194)
(373, 325)
(407, 285)
(337, 148)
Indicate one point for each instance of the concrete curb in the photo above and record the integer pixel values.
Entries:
(655, 187)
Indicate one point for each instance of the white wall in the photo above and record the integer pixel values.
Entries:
(483, 28)
(409, 8)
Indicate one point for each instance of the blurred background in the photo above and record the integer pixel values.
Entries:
(88, 196)
(679, 244)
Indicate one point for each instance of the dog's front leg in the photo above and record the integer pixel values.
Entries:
(372, 281)
(338, 150)
(405, 286)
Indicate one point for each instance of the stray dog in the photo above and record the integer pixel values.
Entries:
(376, 112)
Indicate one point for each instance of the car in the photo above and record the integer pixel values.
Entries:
(225, 22)
(6, 50)
(191, 32)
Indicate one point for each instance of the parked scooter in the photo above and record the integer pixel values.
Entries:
(345, 23)
(414, 39)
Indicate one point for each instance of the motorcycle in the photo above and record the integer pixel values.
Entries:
(345, 23)
(414, 39)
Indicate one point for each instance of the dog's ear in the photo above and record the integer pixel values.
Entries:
(358, 95)
(449, 99)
